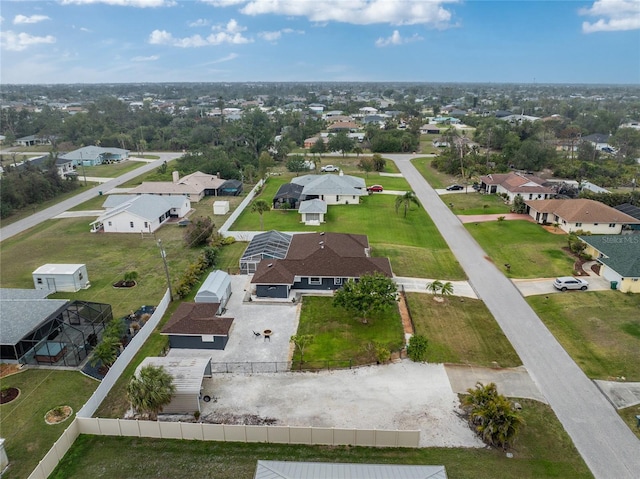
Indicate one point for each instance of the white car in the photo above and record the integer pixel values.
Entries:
(329, 168)
(569, 282)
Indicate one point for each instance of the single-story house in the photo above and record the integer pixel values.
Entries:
(429, 129)
(139, 214)
(194, 186)
(348, 126)
(600, 141)
(197, 326)
(269, 245)
(328, 470)
(317, 261)
(580, 214)
(61, 277)
(215, 289)
(33, 140)
(287, 196)
(313, 211)
(37, 330)
(95, 155)
(512, 184)
(619, 257)
(64, 167)
(187, 374)
(333, 189)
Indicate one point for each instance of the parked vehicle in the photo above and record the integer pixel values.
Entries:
(375, 188)
(455, 188)
(329, 168)
(569, 282)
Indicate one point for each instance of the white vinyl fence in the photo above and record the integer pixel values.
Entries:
(224, 229)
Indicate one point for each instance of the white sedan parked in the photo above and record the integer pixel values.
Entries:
(569, 282)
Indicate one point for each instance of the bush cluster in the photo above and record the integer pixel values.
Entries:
(194, 271)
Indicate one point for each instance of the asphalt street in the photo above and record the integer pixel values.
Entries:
(605, 442)
(13, 229)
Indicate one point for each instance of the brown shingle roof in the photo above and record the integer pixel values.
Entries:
(343, 244)
(517, 182)
(197, 318)
(582, 210)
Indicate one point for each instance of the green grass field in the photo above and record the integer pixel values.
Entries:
(340, 336)
(531, 251)
(435, 178)
(28, 437)
(460, 330)
(543, 451)
(473, 203)
(109, 171)
(599, 329)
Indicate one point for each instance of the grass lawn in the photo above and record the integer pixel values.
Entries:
(435, 178)
(599, 329)
(339, 336)
(28, 437)
(543, 450)
(473, 203)
(389, 233)
(462, 332)
(629, 416)
(229, 257)
(109, 171)
(531, 251)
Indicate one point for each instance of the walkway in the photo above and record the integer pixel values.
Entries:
(605, 442)
(419, 285)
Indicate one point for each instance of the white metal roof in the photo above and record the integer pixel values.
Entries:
(58, 268)
(187, 373)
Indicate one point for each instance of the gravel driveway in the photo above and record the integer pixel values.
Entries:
(403, 395)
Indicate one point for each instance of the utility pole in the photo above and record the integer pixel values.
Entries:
(163, 254)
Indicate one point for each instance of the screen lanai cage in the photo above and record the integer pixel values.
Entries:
(51, 332)
(270, 245)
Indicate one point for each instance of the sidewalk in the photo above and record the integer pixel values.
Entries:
(419, 285)
(483, 218)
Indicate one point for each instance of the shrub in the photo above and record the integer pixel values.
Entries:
(417, 348)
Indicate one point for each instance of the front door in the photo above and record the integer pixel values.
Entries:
(51, 284)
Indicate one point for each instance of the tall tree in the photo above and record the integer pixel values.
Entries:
(405, 201)
(151, 390)
(260, 207)
(372, 292)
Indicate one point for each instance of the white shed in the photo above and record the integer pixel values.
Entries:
(215, 289)
(187, 374)
(220, 207)
(61, 277)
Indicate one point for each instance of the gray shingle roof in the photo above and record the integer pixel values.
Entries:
(313, 206)
(316, 185)
(323, 470)
(10, 293)
(621, 252)
(18, 317)
(148, 207)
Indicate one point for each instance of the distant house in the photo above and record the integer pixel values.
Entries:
(580, 214)
(95, 155)
(348, 126)
(194, 186)
(197, 326)
(139, 214)
(269, 245)
(619, 257)
(33, 140)
(429, 129)
(517, 119)
(600, 141)
(447, 120)
(43, 162)
(317, 261)
(61, 277)
(332, 189)
(529, 187)
(313, 211)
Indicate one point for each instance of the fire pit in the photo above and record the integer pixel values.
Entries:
(267, 334)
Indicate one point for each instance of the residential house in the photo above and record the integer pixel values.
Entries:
(194, 186)
(347, 126)
(512, 184)
(95, 155)
(269, 245)
(429, 129)
(317, 261)
(33, 140)
(139, 213)
(197, 326)
(332, 189)
(313, 212)
(600, 141)
(580, 214)
(619, 258)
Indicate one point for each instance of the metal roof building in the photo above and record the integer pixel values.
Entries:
(270, 245)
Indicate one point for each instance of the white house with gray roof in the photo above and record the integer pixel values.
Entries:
(139, 213)
(332, 189)
(96, 155)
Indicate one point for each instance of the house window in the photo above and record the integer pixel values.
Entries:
(578, 225)
(80, 275)
(337, 281)
(208, 338)
(109, 223)
(595, 224)
(131, 223)
(530, 196)
(612, 225)
(315, 280)
(337, 197)
(146, 225)
(39, 280)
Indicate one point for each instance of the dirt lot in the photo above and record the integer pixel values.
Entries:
(402, 395)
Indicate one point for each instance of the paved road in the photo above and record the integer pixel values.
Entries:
(37, 218)
(605, 442)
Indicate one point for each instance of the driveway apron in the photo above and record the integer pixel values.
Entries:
(605, 442)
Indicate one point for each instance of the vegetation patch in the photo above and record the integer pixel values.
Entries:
(434, 177)
(473, 203)
(599, 329)
(460, 330)
(58, 414)
(8, 394)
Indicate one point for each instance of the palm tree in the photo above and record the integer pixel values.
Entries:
(434, 287)
(405, 201)
(130, 276)
(446, 289)
(260, 207)
(106, 352)
(150, 390)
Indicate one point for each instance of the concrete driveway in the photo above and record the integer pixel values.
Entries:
(243, 345)
(532, 287)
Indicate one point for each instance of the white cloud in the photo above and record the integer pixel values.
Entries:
(17, 42)
(200, 22)
(151, 58)
(614, 15)
(22, 19)
(124, 3)
(276, 35)
(224, 33)
(228, 58)
(359, 12)
(396, 39)
(223, 3)
(231, 26)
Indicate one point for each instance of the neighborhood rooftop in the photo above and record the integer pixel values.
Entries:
(582, 210)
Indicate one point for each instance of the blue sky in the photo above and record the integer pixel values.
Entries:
(108, 41)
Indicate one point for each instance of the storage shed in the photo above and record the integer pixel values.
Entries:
(220, 207)
(187, 374)
(215, 289)
(196, 326)
(61, 277)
